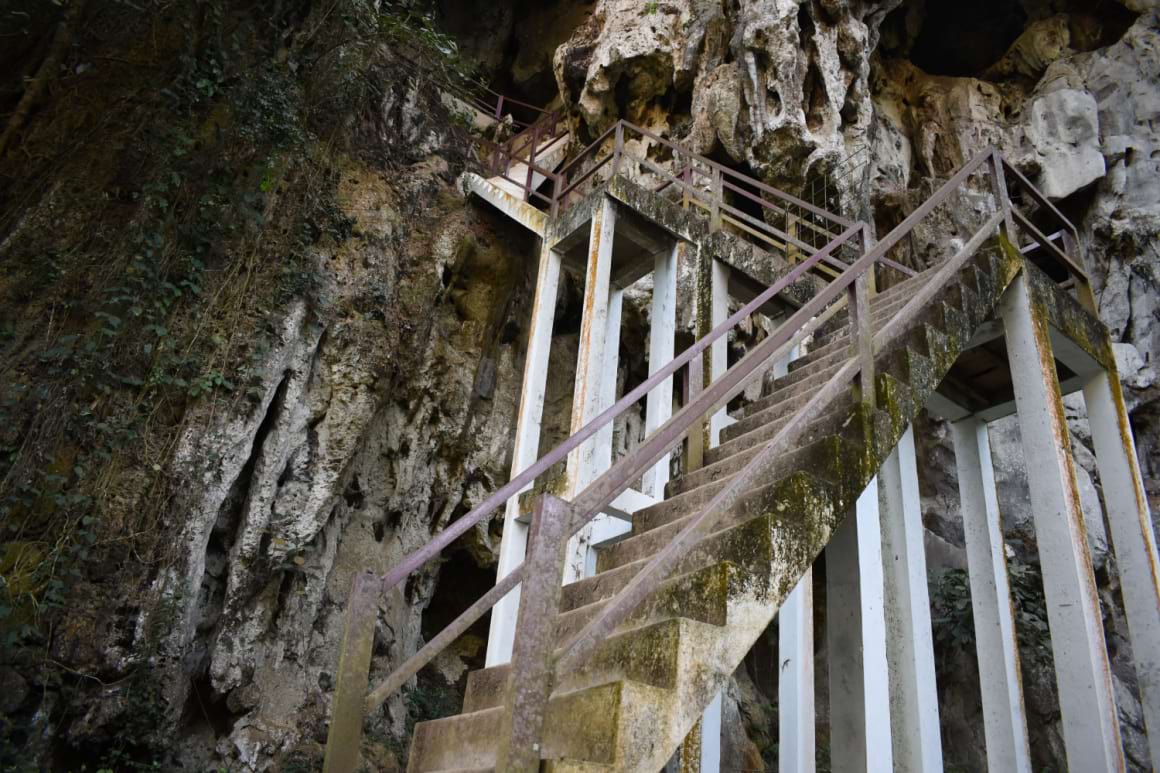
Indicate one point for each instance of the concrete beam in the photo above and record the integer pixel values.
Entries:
(909, 643)
(856, 637)
(526, 449)
(1130, 524)
(1004, 717)
(512, 206)
(1090, 727)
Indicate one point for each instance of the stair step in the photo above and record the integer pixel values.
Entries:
(700, 596)
(583, 725)
(767, 432)
(789, 404)
(824, 460)
(807, 385)
(724, 467)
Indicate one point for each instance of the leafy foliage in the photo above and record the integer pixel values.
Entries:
(953, 620)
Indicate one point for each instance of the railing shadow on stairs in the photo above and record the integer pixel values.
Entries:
(536, 657)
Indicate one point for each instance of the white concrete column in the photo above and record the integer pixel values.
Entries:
(661, 347)
(1004, 718)
(711, 737)
(856, 639)
(795, 682)
(909, 643)
(525, 449)
(591, 368)
(719, 350)
(607, 375)
(1090, 728)
(1130, 523)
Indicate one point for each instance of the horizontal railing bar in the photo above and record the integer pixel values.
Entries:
(727, 171)
(596, 143)
(588, 173)
(1033, 246)
(443, 639)
(907, 270)
(657, 169)
(1047, 244)
(1039, 198)
(775, 231)
(802, 220)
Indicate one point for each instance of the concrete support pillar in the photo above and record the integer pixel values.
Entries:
(856, 638)
(661, 345)
(711, 737)
(719, 350)
(1090, 728)
(1130, 524)
(909, 644)
(795, 686)
(601, 309)
(525, 450)
(1004, 718)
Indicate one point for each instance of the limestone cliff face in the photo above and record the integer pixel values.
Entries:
(351, 335)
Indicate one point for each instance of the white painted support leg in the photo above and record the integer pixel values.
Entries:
(1091, 731)
(1004, 718)
(795, 685)
(1132, 538)
(711, 737)
(719, 350)
(661, 347)
(909, 644)
(856, 638)
(525, 450)
(592, 372)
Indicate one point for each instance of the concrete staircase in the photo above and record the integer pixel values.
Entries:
(631, 704)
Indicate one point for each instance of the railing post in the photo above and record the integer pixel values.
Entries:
(862, 335)
(868, 242)
(687, 179)
(531, 162)
(499, 108)
(354, 666)
(1083, 285)
(716, 198)
(520, 737)
(1002, 199)
(618, 148)
(695, 444)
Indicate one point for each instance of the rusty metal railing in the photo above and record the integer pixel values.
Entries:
(555, 521)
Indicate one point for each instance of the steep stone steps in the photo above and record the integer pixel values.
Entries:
(642, 690)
